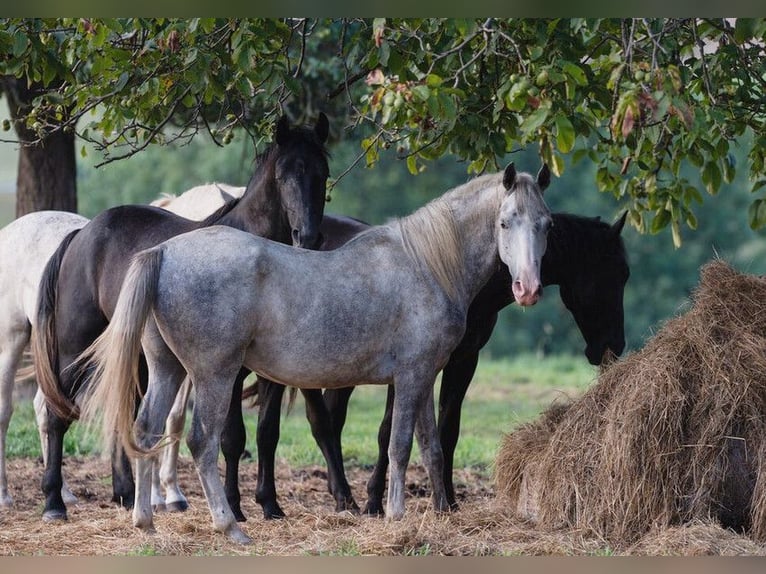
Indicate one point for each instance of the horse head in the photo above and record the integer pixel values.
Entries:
(594, 294)
(522, 230)
(301, 171)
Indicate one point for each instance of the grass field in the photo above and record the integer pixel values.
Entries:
(503, 394)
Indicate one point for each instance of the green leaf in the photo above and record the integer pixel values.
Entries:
(565, 134)
(660, 221)
(20, 43)
(421, 92)
(676, 232)
(412, 165)
(534, 120)
(433, 81)
(711, 177)
(121, 82)
(756, 214)
(575, 72)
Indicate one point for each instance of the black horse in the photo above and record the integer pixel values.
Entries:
(585, 257)
(284, 201)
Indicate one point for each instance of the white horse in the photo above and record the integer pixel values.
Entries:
(26, 244)
(208, 301)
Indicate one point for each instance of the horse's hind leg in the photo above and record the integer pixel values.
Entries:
(204, 439)
(166, 377)
(431, 452)
(173, 500)
(233, 445)
(10, 355)
(329, 443)
(41, 415)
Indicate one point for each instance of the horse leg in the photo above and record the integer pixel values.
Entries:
(409, 396)
(10, 356)
(233, 445)
(52, 482)
(267, 437)
(431, 452)
(376, 485)
(328, 441)
(456, 377)
(174, 500)
(41, 415)
(123, 485)
(162, 389)
(204, 440)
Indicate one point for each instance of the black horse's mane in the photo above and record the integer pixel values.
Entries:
(587, 233)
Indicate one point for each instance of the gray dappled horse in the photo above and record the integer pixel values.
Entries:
(208, 301)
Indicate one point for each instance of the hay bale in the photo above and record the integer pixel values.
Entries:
(673, 433)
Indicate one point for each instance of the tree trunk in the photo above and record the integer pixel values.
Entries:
(47, 173)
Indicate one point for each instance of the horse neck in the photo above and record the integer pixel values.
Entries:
(470, 262)
(260, 209)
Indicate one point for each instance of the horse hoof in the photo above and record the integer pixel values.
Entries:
(177, 506)
(238, 514)
(373, 510)
(54, 515)
(235, 534)
(349, 505)
(147, 528)
(273, 513)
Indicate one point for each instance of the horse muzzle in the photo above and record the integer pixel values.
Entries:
(527, 295)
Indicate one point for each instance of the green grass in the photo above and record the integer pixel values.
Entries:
(503, 394)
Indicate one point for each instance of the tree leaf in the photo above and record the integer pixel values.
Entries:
(565, 134)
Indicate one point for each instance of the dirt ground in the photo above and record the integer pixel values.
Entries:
(481, 526)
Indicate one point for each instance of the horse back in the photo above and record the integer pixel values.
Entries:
(95, 264)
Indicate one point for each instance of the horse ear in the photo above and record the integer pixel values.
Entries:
(619, 224)
(509, 176)
(282, 131)
(322, 127)
(543, 177)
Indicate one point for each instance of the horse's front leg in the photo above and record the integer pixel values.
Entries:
(267, 437)
(456, 377)
(233, 442)
(431, 452)
(376, 485)
(328, 441)
(408, 398)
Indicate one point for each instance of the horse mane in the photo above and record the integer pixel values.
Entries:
(213, 218)
(584, 233)
(432, 237)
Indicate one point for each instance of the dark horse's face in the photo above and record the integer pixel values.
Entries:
(594, 297)
(301, 172)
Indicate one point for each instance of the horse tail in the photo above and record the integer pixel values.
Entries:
(45, 351)
(114, 356)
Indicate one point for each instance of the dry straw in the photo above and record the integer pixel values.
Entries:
(672, 434)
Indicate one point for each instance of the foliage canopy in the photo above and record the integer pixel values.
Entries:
(637, 97)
